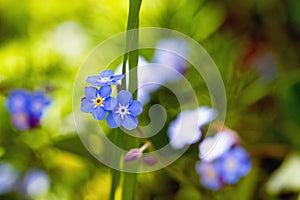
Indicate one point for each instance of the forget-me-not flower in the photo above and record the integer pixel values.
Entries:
(36, 182)
(185, 129)
(97, 101)
(105, 78)
(233, 165)
(125, 112)
(8, 177)
(209, 175)
(26, 109)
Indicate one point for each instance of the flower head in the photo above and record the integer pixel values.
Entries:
(97, 101)
(26, 109)
(233, 165)
(105, 78)
(185, 130)
(8, 177)
(209, 175)
(36, 182)
(213, 147)
(125, 112)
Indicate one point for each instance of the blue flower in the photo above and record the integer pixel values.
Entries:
(233, 165)
(36, 182)
(105, 78)
(209, 175)
(26, 109)
(8, 177)
(185, 129)
(38, 102)
(97, 101)
(124, 114)
(18, 101)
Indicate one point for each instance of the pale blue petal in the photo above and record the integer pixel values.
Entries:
(106, 73)
(90, 92)
(105, 91)
(94, 80)
(110, 103)
(111, 121)
(117, 77)
(87, 106)
(135, 108)
(124, 97)
(129, 122)
(99, 113)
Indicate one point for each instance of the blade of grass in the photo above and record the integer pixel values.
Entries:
(132, 38)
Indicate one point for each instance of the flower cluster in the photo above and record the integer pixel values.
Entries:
(122, 110)
(25, 108)
(223, 161)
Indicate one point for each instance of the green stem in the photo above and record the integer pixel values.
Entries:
(131, 53)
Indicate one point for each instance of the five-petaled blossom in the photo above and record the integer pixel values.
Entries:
(233, 165)
(124, 114)
(209, 175)
(105, 78)
(26, 109)
(97, 101)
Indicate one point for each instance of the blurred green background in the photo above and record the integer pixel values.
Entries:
(255, 44)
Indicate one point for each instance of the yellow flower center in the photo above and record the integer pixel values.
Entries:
(98, 101)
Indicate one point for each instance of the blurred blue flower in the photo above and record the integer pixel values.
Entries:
(105, 78)
(171, 52)
(36, 182)
(26, 109)
(18, 100)
(209, 175)
(97, 101)
(38, 101)
(233, 165)
(8, 177)
(185, 129)
(212, 148)
(124, 114)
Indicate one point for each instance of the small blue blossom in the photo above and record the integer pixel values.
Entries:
(36, 182)
(209, 175)
(26, 109)
(233, 165)
(97, 101)
(185, 129)
(8, 177)
(105, 78)
(124, 114)
(18, 100)
(38, 101)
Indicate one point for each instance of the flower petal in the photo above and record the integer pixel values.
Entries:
(87, 106)
(124, 97)
(111, 121)
(94, 80)
(105, 91)
(90, 92)
(99, 113)
(110, 103)
(117, 77)
(129, 122)
(106, 73)
(135, 108)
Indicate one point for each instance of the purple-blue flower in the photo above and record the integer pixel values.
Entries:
(26, 109)
(8, 177)
(97, 101)
(125, 112)
(233, 165)
(105, 78)
(209, 175)
(36, 182)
